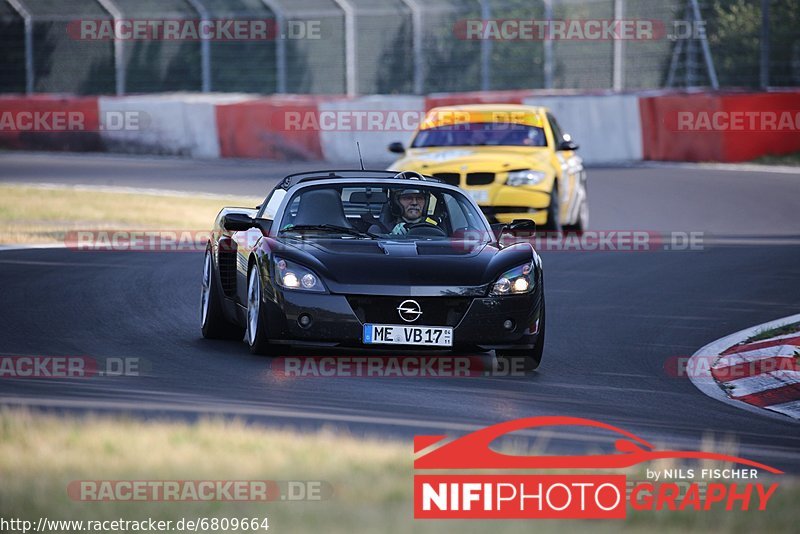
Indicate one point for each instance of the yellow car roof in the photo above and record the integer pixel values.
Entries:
(469, 113)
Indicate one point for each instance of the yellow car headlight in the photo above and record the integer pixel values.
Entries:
(525, 177)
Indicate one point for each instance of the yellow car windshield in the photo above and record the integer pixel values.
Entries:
(481, 134)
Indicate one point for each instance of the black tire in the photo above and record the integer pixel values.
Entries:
(553, 223)
(256, 332)
(212, 320)
(526, 359)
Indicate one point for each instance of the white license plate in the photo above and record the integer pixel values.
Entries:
(392, 334)
(479, 195)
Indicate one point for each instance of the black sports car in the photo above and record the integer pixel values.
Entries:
(373, 259)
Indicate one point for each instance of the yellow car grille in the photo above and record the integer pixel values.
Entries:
(473, 178)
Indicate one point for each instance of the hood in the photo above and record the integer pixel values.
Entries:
(478, 158)
(360, 266)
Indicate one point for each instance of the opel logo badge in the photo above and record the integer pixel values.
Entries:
(409, 310)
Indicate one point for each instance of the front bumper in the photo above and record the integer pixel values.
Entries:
(337, 320)
(508, 203)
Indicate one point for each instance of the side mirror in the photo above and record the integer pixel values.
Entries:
(568, 144)
(397, 148)
(521, 226)
(238, 222)
(517, 231)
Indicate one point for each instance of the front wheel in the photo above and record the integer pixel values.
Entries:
(526, 359)
(583, 219)
(256, 333)
(553, 223)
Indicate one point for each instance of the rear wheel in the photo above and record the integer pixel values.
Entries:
(256, 334)
(526, 359)
(212, 320)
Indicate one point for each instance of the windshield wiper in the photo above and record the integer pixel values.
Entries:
(328, 228)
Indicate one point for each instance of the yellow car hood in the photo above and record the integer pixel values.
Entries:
(470, 159)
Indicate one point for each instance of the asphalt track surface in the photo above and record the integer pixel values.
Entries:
(614, 318)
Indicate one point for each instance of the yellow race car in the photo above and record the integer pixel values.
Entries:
(514, 160)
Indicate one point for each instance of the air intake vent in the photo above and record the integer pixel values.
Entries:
(226, 260)
(480, 178)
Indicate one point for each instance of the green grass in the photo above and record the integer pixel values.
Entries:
(371, 478)
(41, 215)
(786, 159)
(782, 330)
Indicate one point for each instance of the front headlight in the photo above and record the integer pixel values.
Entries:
(517, 281)
(525, 177)
(291, 275)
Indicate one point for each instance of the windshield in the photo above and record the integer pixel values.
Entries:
(481, 134)
(416, 211)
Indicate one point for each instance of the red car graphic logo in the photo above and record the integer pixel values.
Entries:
(472, 451)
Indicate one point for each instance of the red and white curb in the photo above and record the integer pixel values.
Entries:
(761, 376)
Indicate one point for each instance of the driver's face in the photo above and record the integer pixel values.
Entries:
(412, 205)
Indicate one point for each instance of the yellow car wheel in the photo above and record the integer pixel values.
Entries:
(553, 223)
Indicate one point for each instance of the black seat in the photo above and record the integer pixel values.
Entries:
(321, 206)
(387, 218)
(385, 222)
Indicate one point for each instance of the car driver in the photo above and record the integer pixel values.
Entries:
(413, 207)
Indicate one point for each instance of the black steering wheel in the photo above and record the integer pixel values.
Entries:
(425, 228)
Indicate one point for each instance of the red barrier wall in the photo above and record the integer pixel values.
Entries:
(47, 122)
(720, 127)
(262, 129)
(765, 139)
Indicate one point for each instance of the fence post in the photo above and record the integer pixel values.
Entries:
(486, 49)
(280, 45)
(119, 46)
(619, 49)
(417, 43)
(764, 66)
(547, 44)
(712, 72)
(28, 19)
(350, 47)
(205, 45)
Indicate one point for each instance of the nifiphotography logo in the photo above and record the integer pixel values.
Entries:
(573, 496)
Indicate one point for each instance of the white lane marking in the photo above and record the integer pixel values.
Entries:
(8, 248)
(741, 167)
(47, 186)
(63, 263)
(703, 380)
